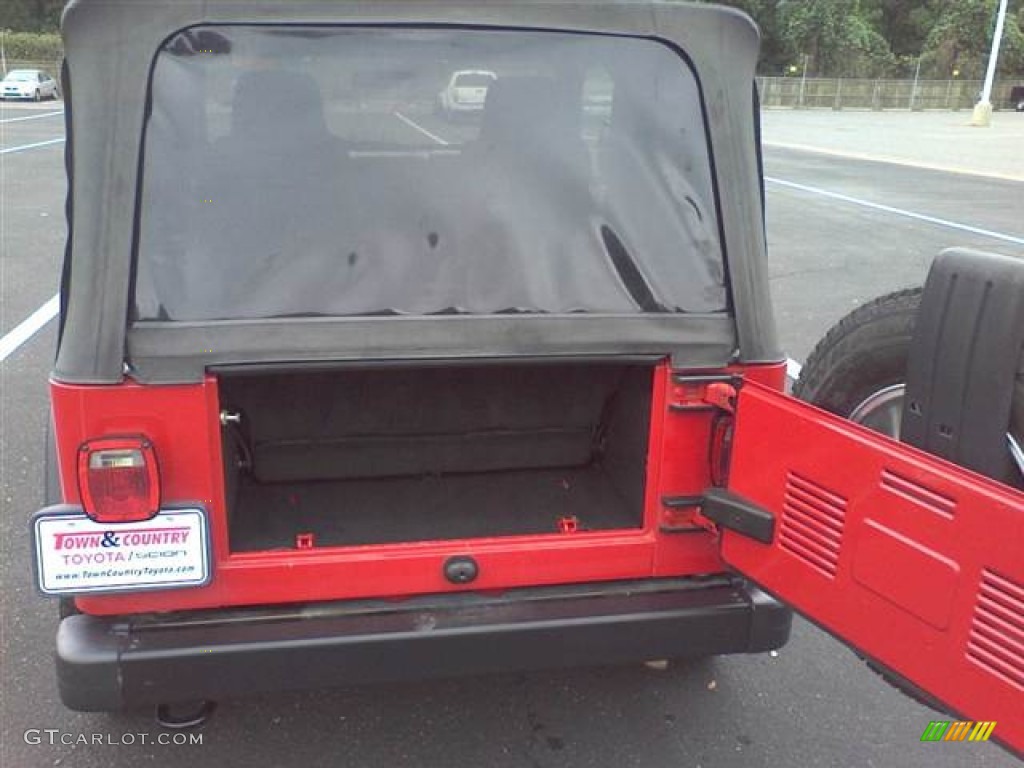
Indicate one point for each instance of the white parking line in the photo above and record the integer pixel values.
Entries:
(897, 211)
(27, 328)
(420, 128)
(29, 117)
(31, 146)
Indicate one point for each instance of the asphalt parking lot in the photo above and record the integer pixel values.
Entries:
(842, 229)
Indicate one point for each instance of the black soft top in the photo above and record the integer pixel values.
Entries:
(110, 47)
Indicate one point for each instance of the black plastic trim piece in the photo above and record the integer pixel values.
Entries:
(681, 502)
(677, 408)
(69, 201)
(111, 663)
(967, 342)
(700, 378)
(767, 621)
(737, 514)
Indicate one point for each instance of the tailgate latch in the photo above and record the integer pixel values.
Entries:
(702, 393)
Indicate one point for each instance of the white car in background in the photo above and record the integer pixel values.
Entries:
(33, 84)
(465, 93)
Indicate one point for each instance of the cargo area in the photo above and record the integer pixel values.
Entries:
(384, 455)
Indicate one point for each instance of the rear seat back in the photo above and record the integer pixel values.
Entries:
(532, 125)
(364, 424)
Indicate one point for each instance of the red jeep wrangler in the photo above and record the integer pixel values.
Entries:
(347, 392)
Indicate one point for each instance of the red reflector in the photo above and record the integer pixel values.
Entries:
(721, 449)
(118, 479)
(568, 524)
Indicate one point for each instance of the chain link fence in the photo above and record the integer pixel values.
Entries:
(842, 93)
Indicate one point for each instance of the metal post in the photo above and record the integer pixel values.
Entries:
(3, 50)
(983, 109)
(913, 88)
(803, 81)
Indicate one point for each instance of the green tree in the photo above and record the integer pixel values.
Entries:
(30, 15)
(961, 40)
(835, 36)
(905, 24)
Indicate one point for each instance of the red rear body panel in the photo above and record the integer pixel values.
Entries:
(183, 424)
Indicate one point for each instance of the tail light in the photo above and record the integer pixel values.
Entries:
(118, 479)
(721, 449)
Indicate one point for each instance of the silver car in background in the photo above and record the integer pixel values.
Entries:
(32, 84)
(465, 93)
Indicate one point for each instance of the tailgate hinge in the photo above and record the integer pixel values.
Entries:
(715, 393)
(702, 393)
(722, 395)
(727, 510)
(681, 514)
(717, 508)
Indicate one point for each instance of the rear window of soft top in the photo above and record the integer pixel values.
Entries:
(305, 171)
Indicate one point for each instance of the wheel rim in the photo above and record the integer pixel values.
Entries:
(882, 411)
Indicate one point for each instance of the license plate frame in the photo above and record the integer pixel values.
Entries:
(75, 555)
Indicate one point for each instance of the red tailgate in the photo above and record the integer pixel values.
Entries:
(913, 561)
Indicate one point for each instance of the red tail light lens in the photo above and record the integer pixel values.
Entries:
(118, 479)
(721, 449)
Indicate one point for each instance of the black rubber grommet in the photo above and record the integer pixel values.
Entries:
(461, 569)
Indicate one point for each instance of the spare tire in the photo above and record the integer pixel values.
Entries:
(859, 368)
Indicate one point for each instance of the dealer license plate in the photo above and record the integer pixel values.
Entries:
(76, 555)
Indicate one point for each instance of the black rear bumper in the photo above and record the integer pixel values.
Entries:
(112, 663)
